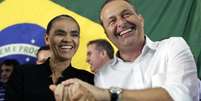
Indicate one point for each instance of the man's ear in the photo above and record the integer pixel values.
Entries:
(46, 39)
(141, 18)
(103, 53)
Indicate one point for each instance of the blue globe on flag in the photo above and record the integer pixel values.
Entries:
(21, 42)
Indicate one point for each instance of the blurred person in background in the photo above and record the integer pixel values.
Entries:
(6, 69)
(43, 54)
(99, 53)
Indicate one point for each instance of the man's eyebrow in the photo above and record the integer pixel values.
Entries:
(111, 17)
(125, 10)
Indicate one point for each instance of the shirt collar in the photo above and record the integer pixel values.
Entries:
(149, 45)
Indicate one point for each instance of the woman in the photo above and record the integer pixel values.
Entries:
(31, 82)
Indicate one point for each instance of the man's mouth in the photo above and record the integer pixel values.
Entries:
(124, 32)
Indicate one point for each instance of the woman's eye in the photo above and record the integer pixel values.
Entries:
(75, 33)
(60, 34)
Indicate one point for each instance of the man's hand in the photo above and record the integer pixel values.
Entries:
(60, 92)
(71, 91)
(94, 93)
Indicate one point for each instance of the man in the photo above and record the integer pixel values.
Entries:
(142, 70)
(99, 53)
(43, 54)
(31, 82)
(6, 69)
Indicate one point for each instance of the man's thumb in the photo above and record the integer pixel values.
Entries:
(52, 87)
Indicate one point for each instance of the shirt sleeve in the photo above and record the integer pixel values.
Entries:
(181, 80)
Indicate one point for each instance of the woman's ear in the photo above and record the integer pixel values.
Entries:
(46, 39)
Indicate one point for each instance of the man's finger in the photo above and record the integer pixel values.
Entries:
(59, 92)
(52, 87)
(66, 94)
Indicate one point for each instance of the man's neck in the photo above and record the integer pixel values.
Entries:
(131, 54)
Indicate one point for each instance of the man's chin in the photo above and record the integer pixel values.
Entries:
(4, 81)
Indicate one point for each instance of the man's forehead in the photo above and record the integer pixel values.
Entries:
(6, 66)
(91, 46)
(111, 6)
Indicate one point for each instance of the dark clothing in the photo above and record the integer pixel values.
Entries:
(2, 91)
(31, 82)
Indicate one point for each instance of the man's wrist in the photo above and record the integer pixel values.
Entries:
(115, 93)
(102, 95)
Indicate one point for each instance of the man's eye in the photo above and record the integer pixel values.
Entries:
(127, 14)
(112, 21)
(88, 53)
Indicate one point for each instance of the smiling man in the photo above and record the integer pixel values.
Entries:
(142, 70)
(150, 70)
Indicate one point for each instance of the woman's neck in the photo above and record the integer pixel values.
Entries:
(57, 67)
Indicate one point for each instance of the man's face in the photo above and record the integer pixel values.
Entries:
(123, 26)
(63, 38)
(42, 56)
(95, 57)
(6, 71)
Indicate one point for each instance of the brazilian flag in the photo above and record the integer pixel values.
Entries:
(163, 19)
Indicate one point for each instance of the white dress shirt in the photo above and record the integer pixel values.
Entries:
(168, 64)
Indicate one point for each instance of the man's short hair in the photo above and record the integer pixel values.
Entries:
(10, 62)
(108, 1)
(102, 44)
(42, 48)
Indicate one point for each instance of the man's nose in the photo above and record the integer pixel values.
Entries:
(121, 22)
